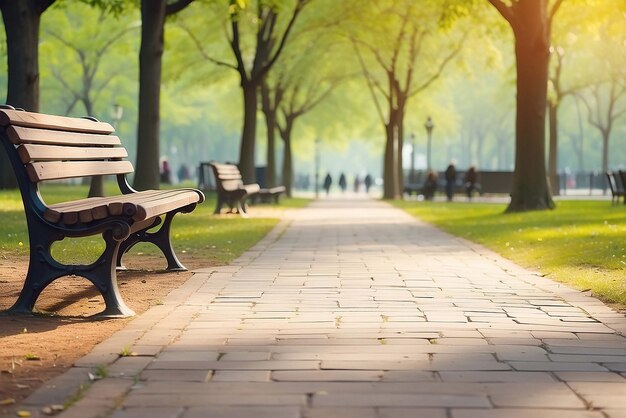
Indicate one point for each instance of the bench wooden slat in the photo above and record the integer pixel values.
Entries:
(225, 177)
(230, 185)
(20, 135)
(40, 120)
(68, 169)
(154, 207)
(141, 205)
(32, 152)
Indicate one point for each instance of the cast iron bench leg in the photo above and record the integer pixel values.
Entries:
(44, 269)
(160, 238)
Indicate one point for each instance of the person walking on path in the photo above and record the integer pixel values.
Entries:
(368, 183)
(328, 181)
(430, 185)
(343, 184)
(471, 181)
(450, 181)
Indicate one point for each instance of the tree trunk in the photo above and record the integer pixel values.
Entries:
(269, 110)
(287, 169)
(606, 134)
(530, 188)
(148, 124)
(248, 135)
(398, 121)
(96, 183)
(21, 23)
(399, 160)
(553, 156)
(389, 170)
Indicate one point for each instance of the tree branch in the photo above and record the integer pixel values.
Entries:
(234, 44)
(200, 48)
(553, 10)
(43, 5)
(299, 6)
(369, 83)
(504, 10)
(442, 65)
(175, 7)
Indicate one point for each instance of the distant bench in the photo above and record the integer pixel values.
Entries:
(230, 188)
(45, 147)
(617, 184)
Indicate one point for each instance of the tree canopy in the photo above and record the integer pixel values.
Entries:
(386, 62)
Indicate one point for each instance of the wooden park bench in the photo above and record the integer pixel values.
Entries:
(45, 147)
(616, 184)
(230, 188)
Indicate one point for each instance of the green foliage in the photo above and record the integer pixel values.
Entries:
(580, 243)
(202, 108)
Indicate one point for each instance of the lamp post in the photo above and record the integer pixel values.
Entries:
(317, 167)
(117, 111)
(412, 176)
(429, 125)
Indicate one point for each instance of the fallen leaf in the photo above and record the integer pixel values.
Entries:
(24, 414)
(7, 401)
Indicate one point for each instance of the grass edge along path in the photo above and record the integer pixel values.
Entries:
(581, 243)
(215, 239)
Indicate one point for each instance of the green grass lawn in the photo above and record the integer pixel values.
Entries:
(216, 239)
(581, 243)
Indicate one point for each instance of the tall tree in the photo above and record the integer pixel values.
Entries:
(531, 22)
(21, 23)
(394, 43)
(153, 14)
(604, 95)
(254, 59)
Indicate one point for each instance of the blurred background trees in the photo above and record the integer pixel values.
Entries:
(350, 81)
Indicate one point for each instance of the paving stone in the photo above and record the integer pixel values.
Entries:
(241, 376)
(242, 412)
(340, 413)
(399, 400)
(551, 366)
(412, 413)
(524, 413)
(178, 376)
(497, 376)
(161, 412)
(327, 376)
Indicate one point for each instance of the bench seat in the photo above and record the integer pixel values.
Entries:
(139, 206)
(268, 194)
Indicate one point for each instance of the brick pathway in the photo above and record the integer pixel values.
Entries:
(355, 309)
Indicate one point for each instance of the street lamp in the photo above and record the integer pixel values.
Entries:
(412, 177)
(429, 125)
(117, 111)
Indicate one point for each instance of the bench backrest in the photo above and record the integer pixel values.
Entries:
(58, 147)
(227, 176)
(615, 183)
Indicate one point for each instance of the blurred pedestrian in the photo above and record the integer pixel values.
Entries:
(450, 181)
(328, 181)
